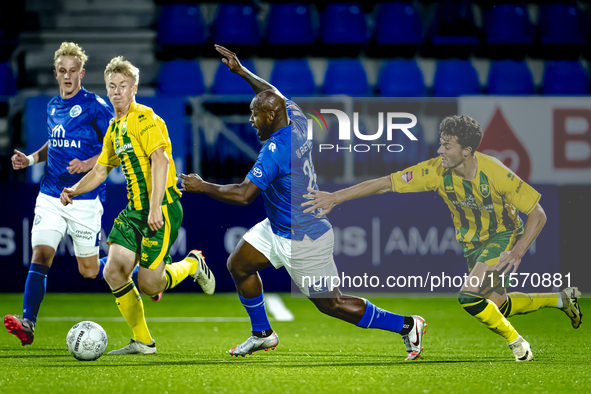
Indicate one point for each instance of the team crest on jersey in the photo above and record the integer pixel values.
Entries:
(124, 127)
(407, 176)
(37, 219)
(75, 111)
(484, 190)
(257, 172)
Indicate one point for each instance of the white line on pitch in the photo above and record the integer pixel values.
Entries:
(277, 308)
(151, 319)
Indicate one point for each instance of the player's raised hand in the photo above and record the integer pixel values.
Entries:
(19, 160)
(66, 196)
(319, 200)
(155, 219)
(191, 183)
(509, 261)
(77, 166)
(230, 59)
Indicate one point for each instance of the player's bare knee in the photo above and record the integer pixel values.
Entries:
(89, 272)
(43, 255)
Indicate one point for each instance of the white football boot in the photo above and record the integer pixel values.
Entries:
(136, 347)
(254, 344)
(203, 275)
(521, 350)
(414, 339)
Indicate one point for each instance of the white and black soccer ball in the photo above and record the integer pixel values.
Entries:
(86, 341)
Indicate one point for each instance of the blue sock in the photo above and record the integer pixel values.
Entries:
(375, 317)
(34, 291)
(102, 263)
(257, 312)
(134, 274)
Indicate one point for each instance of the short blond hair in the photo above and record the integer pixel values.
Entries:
(71, 49)
(118, 65)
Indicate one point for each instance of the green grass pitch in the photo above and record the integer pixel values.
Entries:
(316, 354)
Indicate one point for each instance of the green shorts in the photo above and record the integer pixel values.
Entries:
(131, 231)
(490, 251)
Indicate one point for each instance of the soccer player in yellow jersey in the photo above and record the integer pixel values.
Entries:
(146, 229)
(483, 196)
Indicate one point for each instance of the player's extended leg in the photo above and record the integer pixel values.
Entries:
(118, 270)
(244, 264)
(364, 314)
(24, 329)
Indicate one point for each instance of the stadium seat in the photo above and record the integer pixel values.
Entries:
(561, 23)
(510, 77)
(401, 78)
(343, 23)
(226, 82)
(297, 31)
(181, 77)
(236, 24)
(398, 22)
(454, 78)
(181, 24)
(508, 24)
(565, 77)
(7, 80)
(346, 76)
(293, 77)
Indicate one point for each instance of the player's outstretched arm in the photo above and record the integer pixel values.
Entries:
(20, 160)
(235, 194)
(509, 261)
(77, 166)
(327, 201)
(95, 177)
(256, 83)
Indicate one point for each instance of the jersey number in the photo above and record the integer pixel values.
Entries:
(309, 170)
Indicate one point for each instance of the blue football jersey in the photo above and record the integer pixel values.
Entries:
(283, 171)
(75, 128)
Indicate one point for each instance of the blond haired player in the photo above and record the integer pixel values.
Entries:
(146, 229)
(483, 196)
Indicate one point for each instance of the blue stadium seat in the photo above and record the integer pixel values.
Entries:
(293, 77)
(454, 78)
(508, 24)
(401, 78)
(565, 77)
(453, 24)
(289, 23)
(236, 24)
(510, 77)
(181, 77)
(343, 23)
(181, 24)
(346, 76)
(398, 22)
(7, 80)
(226, 82)
(561, 23)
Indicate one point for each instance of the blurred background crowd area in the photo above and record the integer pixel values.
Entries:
(422, 49)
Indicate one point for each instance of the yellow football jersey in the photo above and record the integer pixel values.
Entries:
(130, 141)
(480, 208)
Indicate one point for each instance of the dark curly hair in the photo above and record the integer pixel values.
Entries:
(467, 130)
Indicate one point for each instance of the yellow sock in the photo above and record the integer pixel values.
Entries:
(177, 272)
(130, 304)
(520, 303)
(487, 313)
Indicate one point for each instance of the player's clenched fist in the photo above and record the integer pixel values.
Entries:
(66, 196)
(191, 183)
(19, 160)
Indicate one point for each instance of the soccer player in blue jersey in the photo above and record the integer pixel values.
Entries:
(76, 122)
(299, 241)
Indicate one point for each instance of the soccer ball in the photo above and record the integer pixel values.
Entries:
(86, 341)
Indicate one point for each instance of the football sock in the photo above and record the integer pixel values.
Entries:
(521, 303)
(102, 263)
(177, 272)
(130, 304)
(34, 291)
(134, 275)
(375, 317)
(257, 313)
(487, 313)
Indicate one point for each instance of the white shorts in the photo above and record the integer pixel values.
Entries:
(82, 220)
(309, 262)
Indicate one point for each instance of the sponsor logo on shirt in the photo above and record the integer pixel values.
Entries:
(123, 147)
(148, 127)
(449, 189)
(257, 172)
(75, 111)
(407, 176)
(58, 138)
(272, 147)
